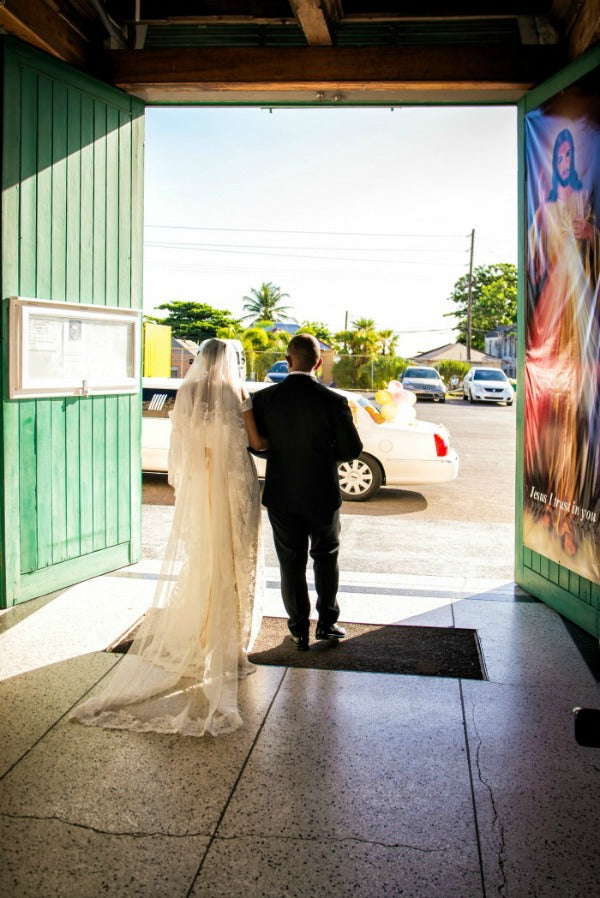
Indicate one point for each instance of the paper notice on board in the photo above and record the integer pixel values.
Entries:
(45, 347)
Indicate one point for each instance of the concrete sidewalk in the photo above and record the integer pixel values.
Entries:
(339, 784)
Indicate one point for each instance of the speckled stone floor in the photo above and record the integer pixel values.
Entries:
(339, 784)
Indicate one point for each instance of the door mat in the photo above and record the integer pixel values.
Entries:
(396, 649)
(421, 651)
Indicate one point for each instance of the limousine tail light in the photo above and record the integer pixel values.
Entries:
(441, 445)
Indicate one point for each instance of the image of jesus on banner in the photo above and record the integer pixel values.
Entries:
(562, 342)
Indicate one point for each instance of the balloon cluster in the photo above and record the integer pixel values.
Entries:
(396, 403)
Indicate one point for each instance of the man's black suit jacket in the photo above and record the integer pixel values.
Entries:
(310, 429)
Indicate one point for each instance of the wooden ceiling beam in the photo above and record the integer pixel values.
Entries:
(580, 23)
(35, 23)
(315, 18)
(232, 19)
(331, 68)
(424, 9)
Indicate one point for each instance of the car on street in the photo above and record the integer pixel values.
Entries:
(425, 383)
(487, 385)
(277, 372)
(158, 399)
(396, 453)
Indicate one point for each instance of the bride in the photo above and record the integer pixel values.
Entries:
(181, 672)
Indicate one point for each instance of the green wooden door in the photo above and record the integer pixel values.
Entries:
(72, 191)
(557, 547)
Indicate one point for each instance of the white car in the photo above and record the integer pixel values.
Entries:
(487, 385)
(394, 454)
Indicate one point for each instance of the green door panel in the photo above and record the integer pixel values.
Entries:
(72, 220)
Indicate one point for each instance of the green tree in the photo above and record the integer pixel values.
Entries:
(195, 320)
(361, 345)
(493, 301)
(364, 338)
(262, 347)
(449, 368)
(376, 374)
(265, 304)
(388, 341)
(320, 331)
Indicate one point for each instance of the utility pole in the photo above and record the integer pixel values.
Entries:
(345, 330)
(469, 297)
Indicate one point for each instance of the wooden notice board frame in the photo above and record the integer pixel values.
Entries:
(72, 349)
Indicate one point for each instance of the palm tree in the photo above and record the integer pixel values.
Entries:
(265, 304)
(388, 341)
(364, 339)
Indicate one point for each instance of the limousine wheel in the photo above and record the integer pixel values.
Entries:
(359, 479)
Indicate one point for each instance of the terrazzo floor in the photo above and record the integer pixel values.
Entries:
(339, 783)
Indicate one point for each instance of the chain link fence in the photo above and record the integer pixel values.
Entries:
(354, 372)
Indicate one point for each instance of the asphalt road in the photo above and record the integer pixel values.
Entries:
(484, 437)
(459, 529)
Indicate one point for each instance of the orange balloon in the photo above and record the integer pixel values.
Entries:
(374, 414)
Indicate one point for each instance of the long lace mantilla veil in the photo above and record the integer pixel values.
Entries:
(181, 672)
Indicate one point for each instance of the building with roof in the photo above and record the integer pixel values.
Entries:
(501, 343)
(183, 353)
(455, 352)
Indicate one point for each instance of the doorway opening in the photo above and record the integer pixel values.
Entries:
(360, 219)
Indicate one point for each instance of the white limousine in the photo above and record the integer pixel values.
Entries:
(394, 454)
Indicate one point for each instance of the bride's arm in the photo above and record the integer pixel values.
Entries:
(256, 439)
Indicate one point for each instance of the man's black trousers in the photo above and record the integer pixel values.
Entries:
(294, 534)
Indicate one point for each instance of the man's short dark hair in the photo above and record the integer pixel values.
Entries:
(305, 351)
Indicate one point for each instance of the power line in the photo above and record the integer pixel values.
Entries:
(173, 244)
(425, 330)
(313, 233)
(256, 252)
(328, 274)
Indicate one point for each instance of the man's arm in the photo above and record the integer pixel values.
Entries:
(348, 444)
(254, 420)
(258, 410)
(257, 440)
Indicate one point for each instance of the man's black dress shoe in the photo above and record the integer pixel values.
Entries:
(301, 642)
(330, 631)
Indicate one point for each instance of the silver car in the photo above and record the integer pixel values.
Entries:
(425, 383)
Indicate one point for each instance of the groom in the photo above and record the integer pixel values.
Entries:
(309, 429)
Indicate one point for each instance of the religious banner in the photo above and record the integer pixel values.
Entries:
(561, 465)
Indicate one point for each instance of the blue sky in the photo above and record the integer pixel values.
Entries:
(352, 212)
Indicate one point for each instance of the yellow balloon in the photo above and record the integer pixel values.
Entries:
(383, 397)
(389, 411)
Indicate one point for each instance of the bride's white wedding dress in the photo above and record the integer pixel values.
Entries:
(181, 672)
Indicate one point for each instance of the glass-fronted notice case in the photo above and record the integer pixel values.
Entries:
(69, 349)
